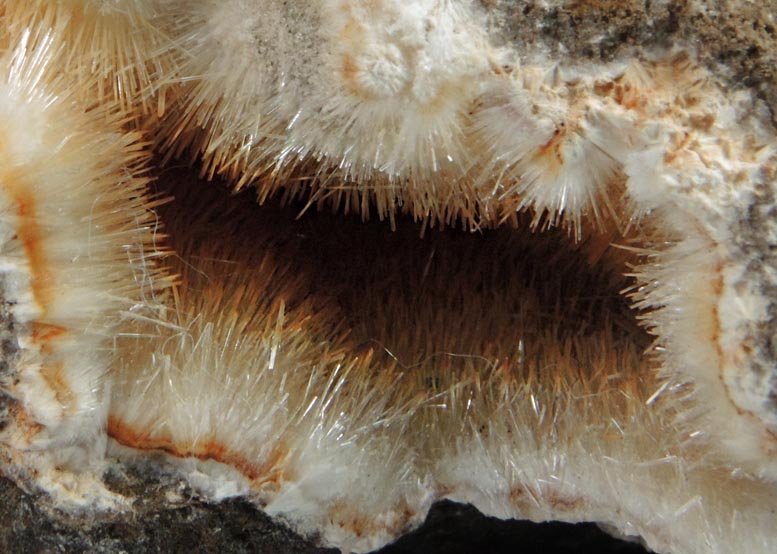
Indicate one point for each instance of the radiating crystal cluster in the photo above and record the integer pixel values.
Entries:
(457, 267)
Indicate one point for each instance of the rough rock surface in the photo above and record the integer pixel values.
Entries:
(734, 38)
(166, 522)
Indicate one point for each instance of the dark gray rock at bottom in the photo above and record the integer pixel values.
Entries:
(153, 526)
(188, 525)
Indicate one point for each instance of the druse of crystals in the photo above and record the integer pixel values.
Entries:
(78, 237)
(597, 348)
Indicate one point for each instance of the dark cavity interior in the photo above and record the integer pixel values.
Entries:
(435, 301)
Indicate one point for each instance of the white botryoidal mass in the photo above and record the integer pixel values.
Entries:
(78, 238)
(605, 355)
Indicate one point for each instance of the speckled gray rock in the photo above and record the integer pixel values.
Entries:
(735, 39)
(187, 525)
